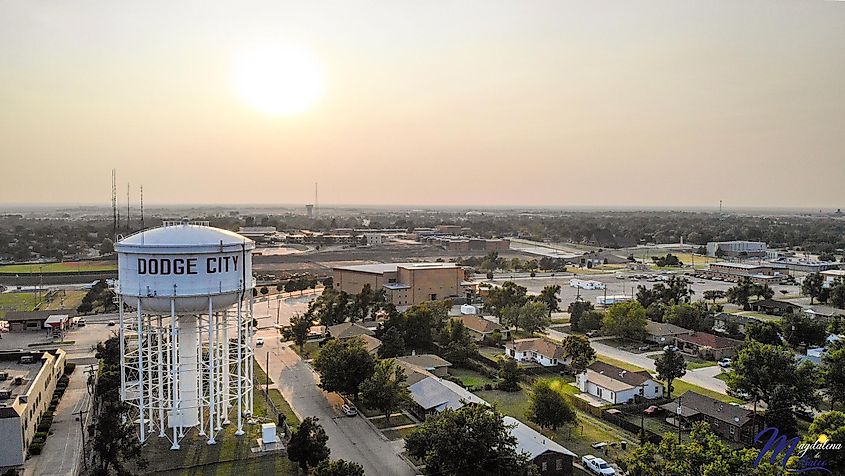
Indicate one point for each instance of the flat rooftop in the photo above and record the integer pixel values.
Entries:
(10, 363)
(382, 268)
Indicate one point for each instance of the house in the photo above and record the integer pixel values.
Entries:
(538, 350)
(349, 329)
(370, 343)
(664, 333)
(434, 364)
(550, 458)
(708, 346)
(720, 322)
(731, 422)
(433, 395)
(774, 307)
(480, 328)
(616, 385)
(823, 312)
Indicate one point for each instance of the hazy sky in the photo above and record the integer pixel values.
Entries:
(429, 102)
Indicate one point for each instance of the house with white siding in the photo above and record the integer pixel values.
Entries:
(538, 350)
(617, 385)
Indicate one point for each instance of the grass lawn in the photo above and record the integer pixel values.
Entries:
(576, 438)
(259, 377)
(26, 301)
(398, 434)
(66, 267)
(681, 387)
(17, 302)
(230, 455)
(309, 350)
(692, 362)
(491, 352)
(619, 363)
(761, 316)
(284, 407)
(723, 376)
(561, 384)
(395, 420)
(469, 378)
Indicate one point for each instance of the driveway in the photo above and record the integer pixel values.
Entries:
(351, 439)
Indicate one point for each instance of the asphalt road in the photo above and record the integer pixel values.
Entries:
(351, 439)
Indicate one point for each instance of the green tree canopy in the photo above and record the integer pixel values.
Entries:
(307, 445)
(343, 365)
(548, 407)
(625, 319)
(385, 390)
(670, 366)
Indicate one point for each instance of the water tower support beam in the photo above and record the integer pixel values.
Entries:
(250, 368)
(174, 399)
(211, 384)
(240, 328)
(160, 383)
(200, 372)
(122, 349)
(141, 402)
(227, 392)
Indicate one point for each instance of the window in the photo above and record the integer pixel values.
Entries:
(544, 466)
(559, 464)
(732, 430)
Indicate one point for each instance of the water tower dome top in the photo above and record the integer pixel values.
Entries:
(184, 238)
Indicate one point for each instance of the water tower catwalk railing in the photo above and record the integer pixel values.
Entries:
(185, 370)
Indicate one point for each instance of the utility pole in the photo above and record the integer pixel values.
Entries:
(267, 374)
(79, 416)
(678, 417)
(142, 206)
(114, 203)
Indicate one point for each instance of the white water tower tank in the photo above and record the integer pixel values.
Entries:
(185, 261)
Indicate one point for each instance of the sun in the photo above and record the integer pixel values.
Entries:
(278, 80)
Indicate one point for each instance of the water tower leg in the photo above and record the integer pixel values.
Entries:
(240, 330)
(141, 402)
(160, 382)
(211, 363)
(251, 367)
(226, 366)
(200, 388)
(122, 335)
(174, 402)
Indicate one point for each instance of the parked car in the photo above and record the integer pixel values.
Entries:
(80, 322)
(259, 341)
(725, 363)
(111, 323)
(349, 410)
(592, 333)
(597, 466)
(673, 348)
(643, 347)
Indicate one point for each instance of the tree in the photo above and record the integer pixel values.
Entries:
(740, 294)
(343, 366)
(385, 389)
(837, 293)
(592, 320)
(459, 345)
(548, 407)
(509, 294)
(801, 329)
(579, 351)
(670, 366)
(509, 373)
(473, 441)
(771, 374)
(576, 310)
(548, 296)
(115, 441)
(339, 467)
(307, 445)
(713, 295)
(762, 291)
(534, 317)
(767, 332)
(813, 286)
(704, 454)
(298, 331)
(626, 319)
(696, 316)
(510, 316)
(392, 343)
(833, 376)
(423, 321)
(107, 247)
(832, 425)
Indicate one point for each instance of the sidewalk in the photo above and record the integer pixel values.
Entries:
(62, 453)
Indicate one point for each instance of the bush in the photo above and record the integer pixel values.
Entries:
(40, 435)
(69, 368)
(488, 386)
(36, 447)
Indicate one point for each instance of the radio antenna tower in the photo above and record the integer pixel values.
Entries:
(114, 202)
(316, 206)
(128, 202)
(142, 206)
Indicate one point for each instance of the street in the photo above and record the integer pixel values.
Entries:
(351, 439)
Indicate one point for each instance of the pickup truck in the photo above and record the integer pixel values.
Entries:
(597, 465)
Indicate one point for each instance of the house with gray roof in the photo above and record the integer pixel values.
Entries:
(731, 422)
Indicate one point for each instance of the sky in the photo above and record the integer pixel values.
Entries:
(488, 102)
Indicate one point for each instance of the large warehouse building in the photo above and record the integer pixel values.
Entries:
(406, 284)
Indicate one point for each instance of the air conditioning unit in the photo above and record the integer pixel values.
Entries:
(5, 394)
(4, 376)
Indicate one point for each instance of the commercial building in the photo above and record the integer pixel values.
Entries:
(27, 382)
(756, 249)
(463, 244)
(804, 265)
(616, 385)
(258, 233)
(20, 321)
(832, 275)
(757, 273)
(406, 284)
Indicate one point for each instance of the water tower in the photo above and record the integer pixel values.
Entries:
(185, 299)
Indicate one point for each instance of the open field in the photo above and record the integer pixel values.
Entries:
(26, 301)
(682, 387)
(66, 267)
